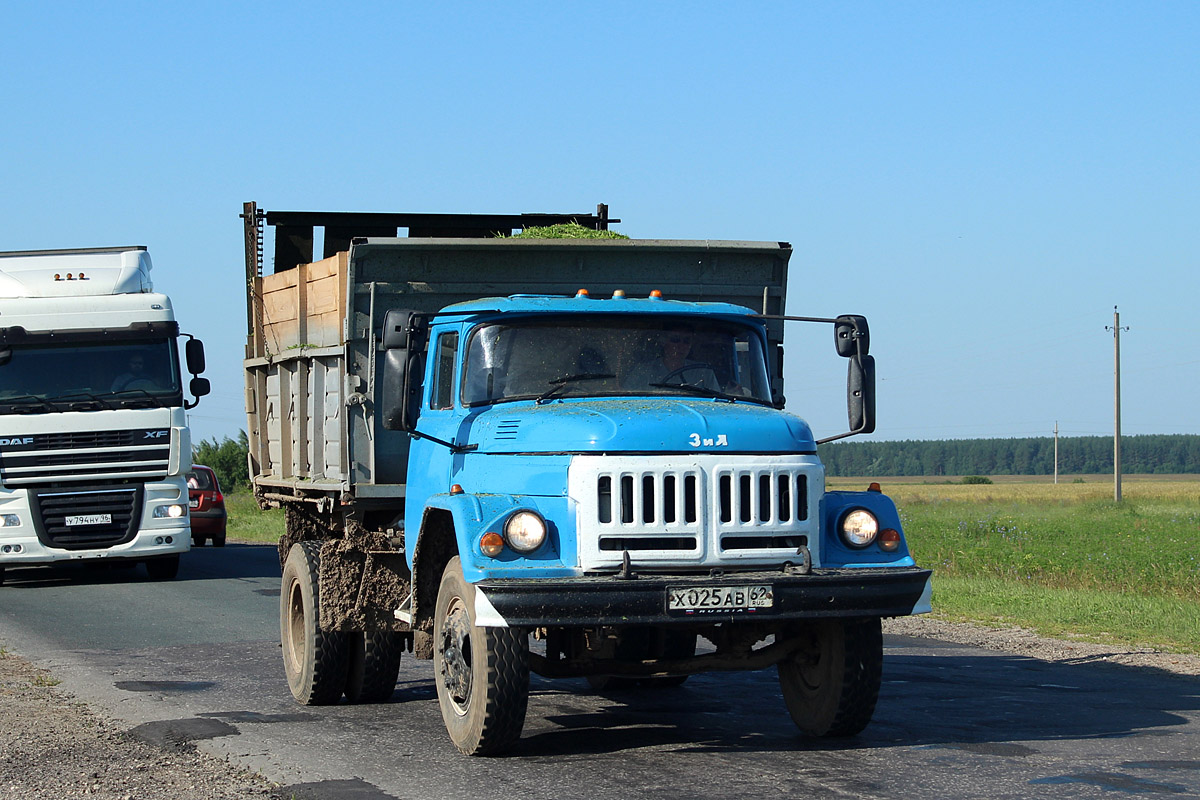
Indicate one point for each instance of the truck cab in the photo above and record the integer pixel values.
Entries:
(94, 440)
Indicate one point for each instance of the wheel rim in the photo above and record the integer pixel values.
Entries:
(812, 664)
(295, 627)
(456, 656)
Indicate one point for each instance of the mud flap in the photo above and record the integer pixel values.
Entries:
(361, 588)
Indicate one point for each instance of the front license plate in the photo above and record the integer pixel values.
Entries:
(89, 519)
(718, 599)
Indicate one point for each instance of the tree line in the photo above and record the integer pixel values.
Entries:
(1149, 454)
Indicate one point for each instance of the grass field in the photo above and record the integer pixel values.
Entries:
(1062, 559)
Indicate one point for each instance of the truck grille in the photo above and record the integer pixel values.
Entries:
(702, 511)
(87, 517)
(87, 456)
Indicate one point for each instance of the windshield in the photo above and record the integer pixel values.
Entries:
(83, 376)
(619, 355)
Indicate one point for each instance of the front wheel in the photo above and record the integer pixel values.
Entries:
(482, 675)
(831, 684)
(315, 661)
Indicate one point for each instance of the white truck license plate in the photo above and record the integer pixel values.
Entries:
(89, 519)
(708, 599)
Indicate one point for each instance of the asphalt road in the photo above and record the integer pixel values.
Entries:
(197, 660)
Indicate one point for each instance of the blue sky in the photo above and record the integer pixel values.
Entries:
(984, 181)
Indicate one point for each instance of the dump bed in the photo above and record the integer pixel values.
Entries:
(310, 391)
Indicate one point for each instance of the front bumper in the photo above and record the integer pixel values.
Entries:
(609, 600)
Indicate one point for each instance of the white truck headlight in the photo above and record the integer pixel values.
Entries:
(525, 531)
(859, 528)
(172, 511)
(9, 520)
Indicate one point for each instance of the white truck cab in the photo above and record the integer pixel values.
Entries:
(94, 443)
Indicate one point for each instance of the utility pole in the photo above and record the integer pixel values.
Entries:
(1116, 329)
(1056, 451)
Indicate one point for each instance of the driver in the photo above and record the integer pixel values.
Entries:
(673, 366)
(134, 377)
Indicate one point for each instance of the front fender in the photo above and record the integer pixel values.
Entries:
(476, 514)
(836, 553)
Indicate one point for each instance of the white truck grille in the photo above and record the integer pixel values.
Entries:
(87, 456)
(698, 511)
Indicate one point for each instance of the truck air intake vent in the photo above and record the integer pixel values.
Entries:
(88, 517)
(507, 429)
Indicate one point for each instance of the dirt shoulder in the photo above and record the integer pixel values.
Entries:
(53, 747)
(1027, 643)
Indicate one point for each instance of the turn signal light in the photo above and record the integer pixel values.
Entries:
(889, 540)
(491, 544)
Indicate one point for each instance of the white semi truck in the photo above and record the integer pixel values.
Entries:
(94, 443)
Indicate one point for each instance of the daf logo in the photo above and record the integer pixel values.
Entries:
(157, 434)
(25, 440)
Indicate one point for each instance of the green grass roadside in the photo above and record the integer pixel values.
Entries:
(1061, 559)
(248, 523)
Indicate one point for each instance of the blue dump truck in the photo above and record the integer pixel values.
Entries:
(565, 457)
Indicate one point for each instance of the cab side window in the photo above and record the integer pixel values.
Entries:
(443, 371)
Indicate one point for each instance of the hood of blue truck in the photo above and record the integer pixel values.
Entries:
(640, 425)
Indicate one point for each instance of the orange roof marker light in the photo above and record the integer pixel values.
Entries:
(656, 294)
(582, 293)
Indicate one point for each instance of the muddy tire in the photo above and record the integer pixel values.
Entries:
(482, 675)
(374, 666)
(830, 686)
(163, 569)
(315, 661)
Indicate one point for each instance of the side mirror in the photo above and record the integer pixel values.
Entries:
(199, 387)
(851, 335)
(193, 352)
(860, 394)
(403, 340)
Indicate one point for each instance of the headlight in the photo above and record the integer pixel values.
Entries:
(9, 520)
(525, 531)
(173, 511)
(859, 528)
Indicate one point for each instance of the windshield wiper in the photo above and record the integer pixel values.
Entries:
(148, 396)
(65, 397)
(24, 404)
(700, 390)
(560, 384)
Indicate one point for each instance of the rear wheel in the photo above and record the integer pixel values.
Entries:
(197, 541)
(219, 539)
(315, 661)
(482, 675)
(831, 684)
(374, 665)
(164, 568)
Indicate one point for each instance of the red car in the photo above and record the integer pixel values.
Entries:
(207, 507)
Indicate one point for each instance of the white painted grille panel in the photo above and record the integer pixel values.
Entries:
(704, 510)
